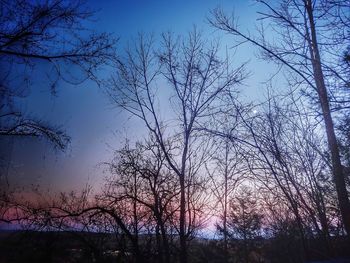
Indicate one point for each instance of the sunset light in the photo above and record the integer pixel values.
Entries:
(175, 131)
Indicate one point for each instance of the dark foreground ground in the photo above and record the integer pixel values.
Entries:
(67, 247)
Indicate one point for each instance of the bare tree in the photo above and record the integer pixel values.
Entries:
(245, 220)
(226, 175)
(45, 36)
(142, 179)
(195, 78)
(289, 162)
(310, 35)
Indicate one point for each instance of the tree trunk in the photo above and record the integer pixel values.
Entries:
(159, 245)
(183, 245)
(226, 202)
(165, 244)
(338, 175)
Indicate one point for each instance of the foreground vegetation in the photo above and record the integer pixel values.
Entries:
(31, 246)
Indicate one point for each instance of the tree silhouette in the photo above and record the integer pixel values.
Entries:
(309, 33)
(196, 78)
(50, 33)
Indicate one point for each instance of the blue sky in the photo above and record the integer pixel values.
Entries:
(96, 126)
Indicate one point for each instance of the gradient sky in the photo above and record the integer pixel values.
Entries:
(96, 126)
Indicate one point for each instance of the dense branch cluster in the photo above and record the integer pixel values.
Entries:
(48, 39)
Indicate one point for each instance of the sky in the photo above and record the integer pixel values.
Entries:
(97, 128)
